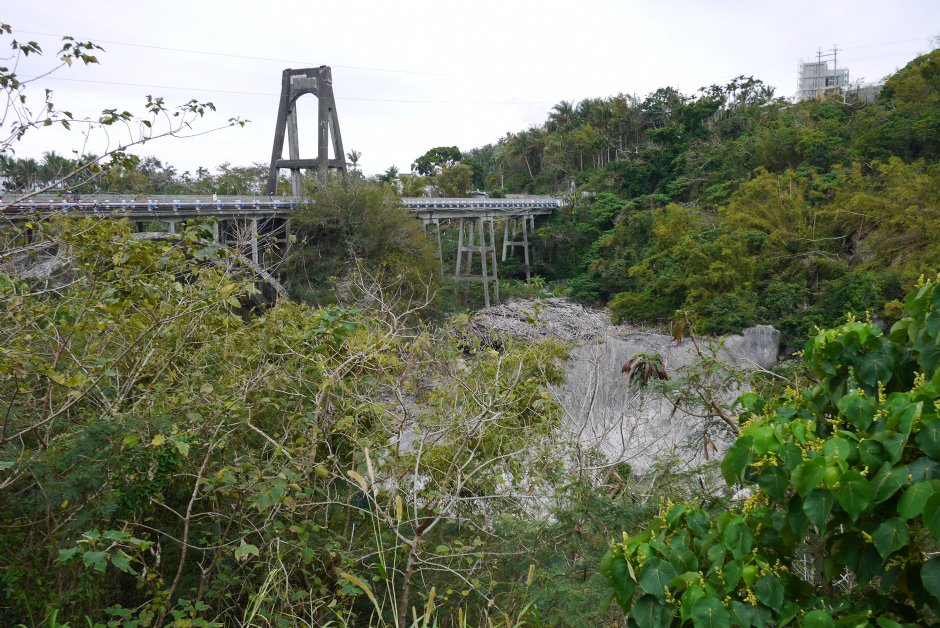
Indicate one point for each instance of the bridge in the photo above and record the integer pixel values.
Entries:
(256, 224)
(259, 225)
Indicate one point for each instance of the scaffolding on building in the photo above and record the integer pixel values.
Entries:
(821, 76)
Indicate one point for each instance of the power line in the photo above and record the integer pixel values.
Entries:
(244, 93)
(254, 58)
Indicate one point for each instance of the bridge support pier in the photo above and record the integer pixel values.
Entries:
(518, 224)
(436, 222)
(468, 243)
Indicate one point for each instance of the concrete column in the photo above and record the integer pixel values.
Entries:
(293, 149)
(254, 240)
(525, 246)
(486, 277)
(492, 249)
(459, 248)
(171, 226)
(469, 249)
(440, 254)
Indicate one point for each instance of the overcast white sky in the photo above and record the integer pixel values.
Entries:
(411, 75)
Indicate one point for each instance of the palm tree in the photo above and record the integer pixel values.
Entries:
(353, 156)
(560, 117)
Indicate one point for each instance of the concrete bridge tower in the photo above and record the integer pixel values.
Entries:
(294, 84)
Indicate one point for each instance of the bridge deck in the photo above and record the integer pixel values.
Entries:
(172, 207)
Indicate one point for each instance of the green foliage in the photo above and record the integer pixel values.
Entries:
(843, 479)
(455, 181)
(436, 159)
(166, 459)
(734, 205)
(360, 229)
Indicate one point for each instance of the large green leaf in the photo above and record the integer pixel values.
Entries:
(855, 493)
(614, 568)
(698, 523)
(683, 559)
(744, 615)
(649, 612)
(736, 460)
(929, 439)
(893, 443)
(932, 515)
(769, 591)
(930, 576)
(791, 455)
(818, 506)
(788, 613)
(655, 577)
(774, 482)
(929, 358)
(924, 468)
(808, 475)
(709, 612)
(932, 323)
(98, 560)
(872, 453)
(837, 448)
(674, 514)
(887, 482)
(914, 499)
(731, 574)
(817, 619)
(857, 409)
(890, 536)
(765, 440)
(737, 538)
(691, 595)
(876, 366)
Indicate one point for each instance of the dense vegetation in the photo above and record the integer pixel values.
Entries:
(171, 457)
(843, 515)
(736, 206)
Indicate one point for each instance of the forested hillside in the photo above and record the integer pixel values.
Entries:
(735, 205)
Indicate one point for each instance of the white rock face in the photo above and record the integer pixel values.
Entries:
(602, 412)
(758, 345)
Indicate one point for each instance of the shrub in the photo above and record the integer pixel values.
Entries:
(844, 507)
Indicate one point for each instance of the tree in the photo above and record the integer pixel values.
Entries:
(390, 174)
(844, 508)
(436, 159)
(353, 156)
(357, 224)
(455, 181)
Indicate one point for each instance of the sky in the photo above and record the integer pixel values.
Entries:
(411, 75)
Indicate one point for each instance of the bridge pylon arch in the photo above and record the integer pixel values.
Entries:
(294, 84)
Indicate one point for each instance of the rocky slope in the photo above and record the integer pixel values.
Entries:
(606, 414)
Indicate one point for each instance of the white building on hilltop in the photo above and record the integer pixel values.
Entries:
(821, 76)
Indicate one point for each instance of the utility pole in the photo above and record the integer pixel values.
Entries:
(294, 84)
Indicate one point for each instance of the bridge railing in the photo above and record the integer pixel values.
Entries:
(143, 203)
(208, 204)
(481, 203)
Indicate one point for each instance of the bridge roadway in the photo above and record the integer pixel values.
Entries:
(257, 225)
(161, 208)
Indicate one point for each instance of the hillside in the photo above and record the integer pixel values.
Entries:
(736, 206)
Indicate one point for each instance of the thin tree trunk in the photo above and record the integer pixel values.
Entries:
(406, 584)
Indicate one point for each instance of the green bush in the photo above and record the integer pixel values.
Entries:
(357, 227)
(843, 519)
